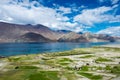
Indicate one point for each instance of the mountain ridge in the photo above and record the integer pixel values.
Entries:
(25, 33)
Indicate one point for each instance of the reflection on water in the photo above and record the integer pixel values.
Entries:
(8, 49)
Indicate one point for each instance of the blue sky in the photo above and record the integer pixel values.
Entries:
(77, 15)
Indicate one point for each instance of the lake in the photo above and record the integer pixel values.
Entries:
(10, 49)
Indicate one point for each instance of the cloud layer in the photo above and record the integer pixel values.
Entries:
(26, 12)
(114, 31)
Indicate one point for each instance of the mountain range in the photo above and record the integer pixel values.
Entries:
(39, 33)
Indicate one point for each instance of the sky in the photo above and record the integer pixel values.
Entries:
(96, 16)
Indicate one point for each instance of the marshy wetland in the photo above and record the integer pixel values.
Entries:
(96, 63)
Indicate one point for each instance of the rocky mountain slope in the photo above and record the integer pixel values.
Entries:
(72, 37)
(86, 37)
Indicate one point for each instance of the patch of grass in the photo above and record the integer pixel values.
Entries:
(11, 59)
(44, 75)
(65, 60)
(69, 68)
(20, 58)
(16, 74)
(29, 75)
(64, 63)
(117, 57)
(100, 59)
(112, 49)
(116, 70)
(87, 56)
(72, 52)
(99, 68)
(84, 68)
(50, 62)
(91, 76)
(108, 48)
(69, 76)
(33, 74)
(108, 67)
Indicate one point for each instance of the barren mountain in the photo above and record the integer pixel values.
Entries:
(72, 37)
(86, 37)
(13, 32)
(39, 33)
(32, 37)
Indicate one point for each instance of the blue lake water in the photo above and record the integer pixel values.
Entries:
(10, 49)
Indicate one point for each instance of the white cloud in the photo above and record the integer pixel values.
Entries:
(5, 1)
(15, 13)
(78, 29)
(97, 15)
(27, 13)
(114, 1)
(114, 19)
(114, 31)
(104, 0)
(91, 16)
(70, 25)
(64, 10)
